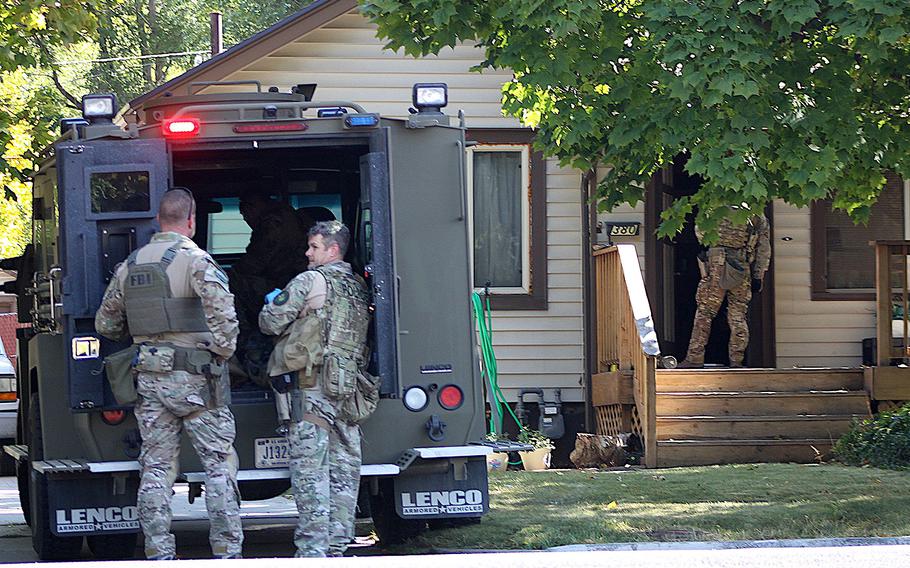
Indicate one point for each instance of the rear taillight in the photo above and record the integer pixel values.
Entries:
(450, 397)
(415, 399)
(113, 417)
(180, 127)
(7, 396)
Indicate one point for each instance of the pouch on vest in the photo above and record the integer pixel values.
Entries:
(118, 368)
(359, 407)
(339, 376)
(732, 275)
(155, 358)
(300, 350)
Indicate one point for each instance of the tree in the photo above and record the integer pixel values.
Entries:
(792, 99)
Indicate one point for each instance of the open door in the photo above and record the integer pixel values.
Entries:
(672, 275)
(375, 239)
(109, 192)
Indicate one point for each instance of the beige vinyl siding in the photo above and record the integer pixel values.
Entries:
(811, 333)
(533, 348)
(347, 62)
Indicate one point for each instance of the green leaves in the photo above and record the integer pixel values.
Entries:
(794, 100)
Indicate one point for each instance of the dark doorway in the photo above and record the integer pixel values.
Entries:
(672, 275)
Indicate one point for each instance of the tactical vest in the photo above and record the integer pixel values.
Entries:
(346, 321)
(151, 306)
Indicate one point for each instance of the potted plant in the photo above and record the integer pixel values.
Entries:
(497, 461)
(538, 458)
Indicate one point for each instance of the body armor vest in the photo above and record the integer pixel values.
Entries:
(151, 306)
(346, 314)
(346, 321)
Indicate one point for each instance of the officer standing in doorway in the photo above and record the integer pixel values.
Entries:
(735, 266)
(325, 453)
(173, 299)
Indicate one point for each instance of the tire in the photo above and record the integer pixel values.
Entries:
(391, 528)
(113, 546)
(7, 464)
(22, 478)
(47, 545)
(262, 489)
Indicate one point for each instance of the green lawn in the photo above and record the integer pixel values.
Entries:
(533, 510)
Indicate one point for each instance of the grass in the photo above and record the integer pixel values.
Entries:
(535, 510)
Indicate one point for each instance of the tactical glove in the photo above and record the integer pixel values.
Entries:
(756, 284)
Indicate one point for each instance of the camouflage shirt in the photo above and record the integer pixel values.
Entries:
(296, 299)
(753, 237)
(207, 281)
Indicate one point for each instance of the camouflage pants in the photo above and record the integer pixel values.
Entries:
(168, 404)
(325, 477)
(709, 297)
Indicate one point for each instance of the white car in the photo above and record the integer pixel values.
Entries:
(8, 401)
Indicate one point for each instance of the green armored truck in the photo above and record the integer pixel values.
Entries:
(398, 183)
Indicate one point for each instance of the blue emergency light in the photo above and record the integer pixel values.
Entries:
(361, 120)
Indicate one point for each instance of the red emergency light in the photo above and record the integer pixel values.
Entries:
(180, 127)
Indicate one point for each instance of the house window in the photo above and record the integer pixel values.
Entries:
(507, 218)
(843, 262)
(498, 178)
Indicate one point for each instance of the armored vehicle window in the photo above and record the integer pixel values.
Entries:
(117, 192)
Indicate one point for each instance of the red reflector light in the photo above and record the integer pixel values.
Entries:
(113, 417)
(271, 127)
(180, 127)
(450, 397)
(7, 396)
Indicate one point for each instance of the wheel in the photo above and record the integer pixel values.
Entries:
(46, 543)
(7, 464)
(22, 478)
(113, 546)
(391, 528)
(262, 489)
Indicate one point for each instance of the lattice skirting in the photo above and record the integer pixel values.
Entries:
(614, 419)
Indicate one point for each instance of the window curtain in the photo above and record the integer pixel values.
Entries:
(497, 219)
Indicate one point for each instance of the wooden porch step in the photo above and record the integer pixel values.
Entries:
(710, 452)
(821, 426)
(761, 403)
(778, 380)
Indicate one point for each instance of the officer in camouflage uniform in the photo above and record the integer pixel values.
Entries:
(325, 452)
(743, 251)
(272, 258)
(173, 299)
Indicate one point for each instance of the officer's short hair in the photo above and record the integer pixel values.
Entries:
(177, 205)
(332, 232)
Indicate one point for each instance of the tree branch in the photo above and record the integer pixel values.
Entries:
(74, 102)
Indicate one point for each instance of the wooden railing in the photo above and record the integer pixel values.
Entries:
(892, 265)
(626, 345)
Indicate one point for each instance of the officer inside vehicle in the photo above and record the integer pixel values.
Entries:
(276, 254)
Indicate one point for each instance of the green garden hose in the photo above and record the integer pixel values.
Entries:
(484, 317)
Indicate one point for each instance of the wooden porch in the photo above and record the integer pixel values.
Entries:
(722, 415)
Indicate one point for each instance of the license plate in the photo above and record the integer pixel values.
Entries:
(271, 452)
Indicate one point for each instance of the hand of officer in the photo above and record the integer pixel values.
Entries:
(271, 295)
(757, 284)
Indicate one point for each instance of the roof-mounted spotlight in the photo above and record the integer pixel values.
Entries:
(99, 107)
(305, 89)
(430, 97)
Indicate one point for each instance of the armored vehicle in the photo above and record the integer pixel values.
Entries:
(398, 183)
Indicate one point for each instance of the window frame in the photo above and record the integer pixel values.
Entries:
(533, 293)
(818, 252)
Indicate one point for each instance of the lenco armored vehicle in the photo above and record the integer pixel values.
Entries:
(399, 184)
